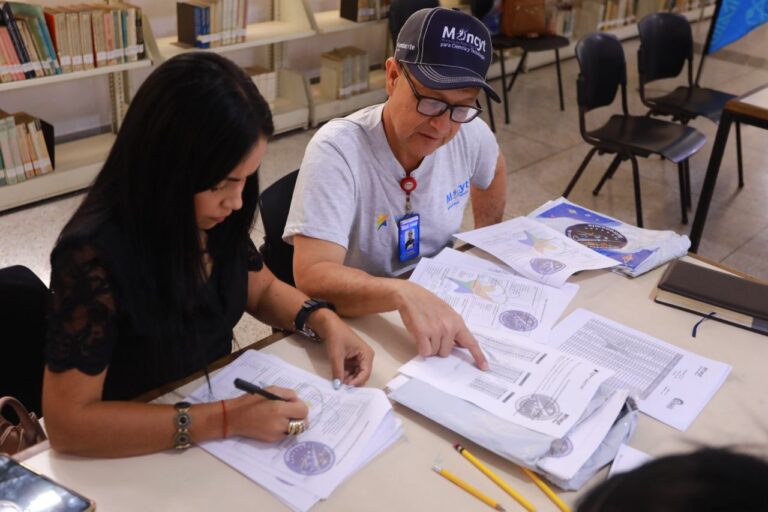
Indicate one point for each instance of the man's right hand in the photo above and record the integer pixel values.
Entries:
(434, 325)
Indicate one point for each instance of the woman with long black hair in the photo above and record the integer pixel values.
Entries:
(156, 267)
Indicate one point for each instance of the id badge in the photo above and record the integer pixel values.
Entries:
(408, 237)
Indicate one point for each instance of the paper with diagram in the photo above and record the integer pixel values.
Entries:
(671, 384)
(494, 301)
(637, 250)
(528, 384)
(346, 429)
(535, 250)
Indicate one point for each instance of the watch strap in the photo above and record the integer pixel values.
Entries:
(302, 316)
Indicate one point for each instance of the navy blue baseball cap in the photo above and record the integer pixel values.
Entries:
(446, 49)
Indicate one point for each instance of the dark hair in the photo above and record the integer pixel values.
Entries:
(193, 120)
(707, 480)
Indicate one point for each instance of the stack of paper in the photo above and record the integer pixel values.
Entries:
(490, 300)
(347, 428)
(535, 250)
(637, 250)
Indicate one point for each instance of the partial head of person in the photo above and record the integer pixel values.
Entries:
(708, 480)
(434, 79)
(183, 163)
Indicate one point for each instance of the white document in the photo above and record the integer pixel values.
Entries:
(636, 250)
(536, 251)
(570, 453)
(494, 302)
(672, 384)
(527, 384)
(451, 256)
(627, 459)
(346, 429)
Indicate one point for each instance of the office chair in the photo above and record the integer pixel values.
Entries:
(602, 71)
(274, 205)
(540, 43)
(24, 301)
(666, 43)
(400, 11)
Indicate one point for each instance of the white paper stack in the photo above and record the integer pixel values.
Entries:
(347, 428)
(535, 250)
(637, 250)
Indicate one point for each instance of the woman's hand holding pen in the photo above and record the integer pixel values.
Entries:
(351, 358)
(262, 419)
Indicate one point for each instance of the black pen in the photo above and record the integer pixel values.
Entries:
(256, 390)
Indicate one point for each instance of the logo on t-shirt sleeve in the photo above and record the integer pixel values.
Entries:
(453, 198)
(381, 220)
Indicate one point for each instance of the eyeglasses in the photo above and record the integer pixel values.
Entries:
(434, 107)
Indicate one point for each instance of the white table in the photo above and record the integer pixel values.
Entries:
(401, 478)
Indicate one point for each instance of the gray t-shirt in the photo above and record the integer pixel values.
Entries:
(348, 190)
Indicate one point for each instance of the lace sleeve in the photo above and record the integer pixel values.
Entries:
(255, 263)
(82, 321)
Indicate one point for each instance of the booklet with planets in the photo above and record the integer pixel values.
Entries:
(637, 250)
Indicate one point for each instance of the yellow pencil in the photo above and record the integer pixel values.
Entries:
(546, 490)
(498, 481)
(471, 490)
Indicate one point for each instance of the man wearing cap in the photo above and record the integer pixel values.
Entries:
(409, 165)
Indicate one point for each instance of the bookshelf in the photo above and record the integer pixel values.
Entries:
(327, 22)
(323, 109)
(77, 162)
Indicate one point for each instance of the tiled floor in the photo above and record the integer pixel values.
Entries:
(543, 148)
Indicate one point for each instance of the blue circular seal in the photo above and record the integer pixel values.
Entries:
(546, 266)
(520, 321)
(596, 236)
(309, 458)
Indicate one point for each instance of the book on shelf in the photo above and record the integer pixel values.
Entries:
(26, 147)
(716, 294)
(211, 23)
(358, 10)
(344, 72)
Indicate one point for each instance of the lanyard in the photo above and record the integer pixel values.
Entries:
(408, 185)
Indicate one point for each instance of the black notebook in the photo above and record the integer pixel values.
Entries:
(705, 291)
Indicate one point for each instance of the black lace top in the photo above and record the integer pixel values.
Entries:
(92, 324)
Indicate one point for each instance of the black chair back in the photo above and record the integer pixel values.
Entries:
(480, 8)
(666, 43)
(401, 10)
(274, 205)
(24, 300)
(602, 70)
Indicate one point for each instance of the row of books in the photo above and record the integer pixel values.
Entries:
(211, 23)
(42, 41)
(364, 10)
(26, 147)
(344, 72)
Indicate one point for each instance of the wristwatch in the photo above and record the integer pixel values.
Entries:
(309, 306)
(181, 439)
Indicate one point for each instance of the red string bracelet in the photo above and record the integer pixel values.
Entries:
(223, 420)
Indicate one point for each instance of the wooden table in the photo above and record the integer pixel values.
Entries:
(751, 108)
(400, 479)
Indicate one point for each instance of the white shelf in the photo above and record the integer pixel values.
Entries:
(327, 22)
(77, 164)
(257, 34)
(76, 75)
(323, 108)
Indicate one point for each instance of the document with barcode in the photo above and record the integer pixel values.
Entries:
(528, 384)
(671, 384)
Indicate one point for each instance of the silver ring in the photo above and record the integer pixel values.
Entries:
(296, 427)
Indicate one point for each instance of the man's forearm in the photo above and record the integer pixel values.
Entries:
(488, 205)
(353, 291)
